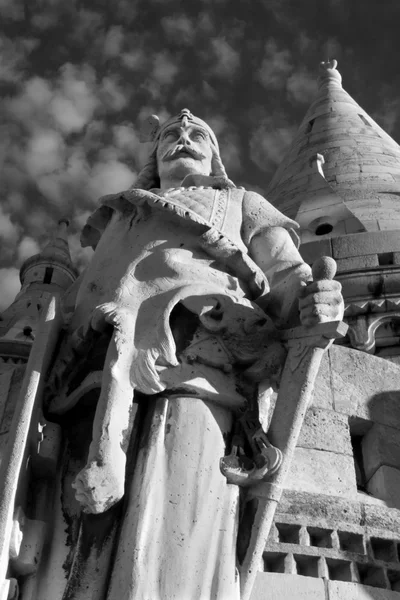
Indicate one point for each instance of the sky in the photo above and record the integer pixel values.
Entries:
(78, 78)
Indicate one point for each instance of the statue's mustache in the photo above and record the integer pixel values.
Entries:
(181, 149)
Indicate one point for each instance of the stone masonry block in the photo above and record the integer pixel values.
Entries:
(320, 472)
(326, 430)
(357, 262)
(364, 386)
(389, 224)
(341, 590)
(381, 517)
(321, 509)
(278, 586)
(313, 250)
(360, 244)
(381, 446)
(385, 484)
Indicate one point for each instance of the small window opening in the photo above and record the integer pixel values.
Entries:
(339, 570)
(288, 534)
(322, 538)
(307, 565)
(27, 330)
(323, 229)
(310, 125)
(372, 575)
(361, 478)
(274, 562)
(358, 429)
(351, 542)
(385, 259)
(383, 549)
(394, 580)
(365, 121)
(48, 274)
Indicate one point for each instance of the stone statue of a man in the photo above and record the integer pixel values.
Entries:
(196, 277)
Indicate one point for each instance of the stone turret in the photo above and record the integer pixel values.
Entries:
(49, 272)
(340, 179)
(361, 166)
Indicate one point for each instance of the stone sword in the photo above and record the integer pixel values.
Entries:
(306, 347)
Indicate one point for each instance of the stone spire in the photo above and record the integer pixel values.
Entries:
(53, 265)
(49, 272)
(358, 187)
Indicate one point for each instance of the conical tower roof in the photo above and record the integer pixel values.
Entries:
(362, 162)
(55, 254)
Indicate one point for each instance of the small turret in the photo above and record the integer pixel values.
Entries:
(361, 171)
(49, 272)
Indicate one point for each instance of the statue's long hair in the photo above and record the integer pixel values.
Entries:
(148, 177)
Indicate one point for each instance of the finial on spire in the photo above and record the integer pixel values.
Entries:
(62, 228)
(329, 74)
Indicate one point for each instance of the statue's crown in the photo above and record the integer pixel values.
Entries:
(151, 128)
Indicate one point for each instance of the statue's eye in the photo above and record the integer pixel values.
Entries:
(198, 136)
(171, 135)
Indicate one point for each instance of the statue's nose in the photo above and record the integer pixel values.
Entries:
(184, 139)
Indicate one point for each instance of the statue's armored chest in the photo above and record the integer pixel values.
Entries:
(220, 209)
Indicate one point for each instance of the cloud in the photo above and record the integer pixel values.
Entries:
(9, 231)
(12, 10)
(127, 145)
(113, 41)
(38, 220)
(26, 248)
(388, 115)
(164, 71)
(331, 49)
(79, 256)
(165, 68)
(227, 59)
(13, 57)
(179, 30)
(275, 67)
(75, 101)
(112, 94)
(68, 104)
(301, 86)
(10, 286)
(107, 178)
(134, 60)
(45, 153)
(230, 153)
(218, 123)
(269, 142)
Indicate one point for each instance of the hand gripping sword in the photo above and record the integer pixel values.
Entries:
(306, 347)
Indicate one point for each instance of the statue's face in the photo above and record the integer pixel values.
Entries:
(184, 148)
